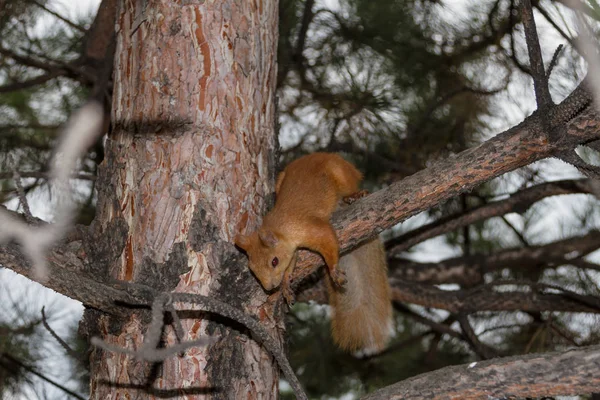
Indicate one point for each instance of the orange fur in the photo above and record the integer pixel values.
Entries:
(361, 312)
(307, 192)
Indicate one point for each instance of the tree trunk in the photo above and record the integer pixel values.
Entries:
(189, 164)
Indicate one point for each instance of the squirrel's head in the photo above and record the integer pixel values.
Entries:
(269, 256)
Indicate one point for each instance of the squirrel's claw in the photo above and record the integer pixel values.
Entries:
(287, 293)
(338, 277)
(355, 196)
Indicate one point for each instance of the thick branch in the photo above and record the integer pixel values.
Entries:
(469, 270)
(551, 374)
(518, 202)
(572, 123)
(67, 275)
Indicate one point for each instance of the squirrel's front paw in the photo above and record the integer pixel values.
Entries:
(338, 276)
(288, 293)
(355, 196)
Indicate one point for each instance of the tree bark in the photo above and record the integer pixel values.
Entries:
(188, 165)
(536, 375)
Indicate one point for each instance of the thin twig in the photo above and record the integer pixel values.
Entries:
(22, 197)
(540, 82)
(554, 24)
(60, 341)
(38, 374)
(571, 157)
(60, 17)
(482, 350)
(554, 60)
(176, 322)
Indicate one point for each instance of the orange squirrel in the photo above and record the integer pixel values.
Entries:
(307, 192)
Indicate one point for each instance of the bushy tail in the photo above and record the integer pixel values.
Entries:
(361, 317)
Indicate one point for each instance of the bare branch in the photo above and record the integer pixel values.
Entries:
(540, 81)
(517, 202)
(555, 25)
(571, 157)
(440, 327)
(11, 87)
(60, 341)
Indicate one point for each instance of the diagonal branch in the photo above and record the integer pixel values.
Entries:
(28, 61)
(367, 217)
(440, 327)
(481, 349)
(578, 5)
(15, 361)
(517, 202)
(58, 16)
(571, 157)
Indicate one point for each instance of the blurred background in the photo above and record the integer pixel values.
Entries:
(394, 85)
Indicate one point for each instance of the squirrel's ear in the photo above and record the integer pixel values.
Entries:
(267, 237)
(242, 241)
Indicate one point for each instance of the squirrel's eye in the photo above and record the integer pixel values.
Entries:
(275, 262)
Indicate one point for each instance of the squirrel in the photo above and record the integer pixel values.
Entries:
(307, 192)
